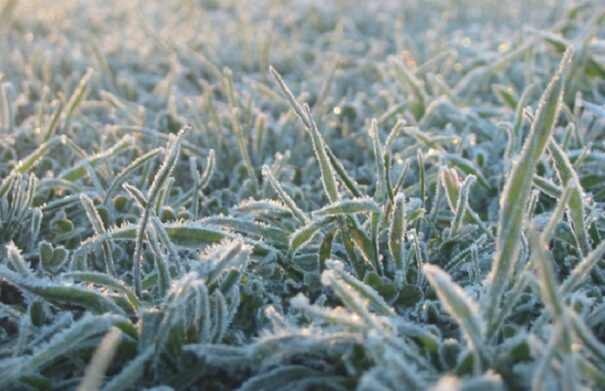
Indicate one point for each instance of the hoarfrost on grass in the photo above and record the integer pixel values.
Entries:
(328, 195)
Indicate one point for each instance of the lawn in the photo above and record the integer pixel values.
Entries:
(302, 195)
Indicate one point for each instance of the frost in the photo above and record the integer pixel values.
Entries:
(302, 195)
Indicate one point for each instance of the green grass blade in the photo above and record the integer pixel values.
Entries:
(397, 232)
(457, 303)
(575, 209)
(286, 199)
(582, 269)
(172, 154)
(381, 174)
(462, 205)
(100, 361)
(349, 207)
(99, 229)
(517, 190)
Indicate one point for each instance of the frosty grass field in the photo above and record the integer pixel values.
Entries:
(302, 195)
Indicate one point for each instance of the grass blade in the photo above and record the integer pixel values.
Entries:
(461, 307)
(517, 191)
(397, 232)
(575, 208)
(93, 377)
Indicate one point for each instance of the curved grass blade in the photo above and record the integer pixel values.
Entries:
(130, 373)
(467, 167)
(126, 171)
(582, 269)
(99, 229)
(87, 165)
(286, 199)
(319, 147)
(462, 308)
(76, 97)
(346, 179)
(16, 259)
(70, 339)
(304, 234)
(105, 281)
(93, 376)
(74, 295)
(349, 207)
(461, 205)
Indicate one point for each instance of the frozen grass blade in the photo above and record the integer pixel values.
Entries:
(547, 187)
(451, 184)
(88, 163)
(99, 229)
(163, 274)
(350, 297)
(105, 281)
(376, 301)
(466, 167)
(381, 173)
(291, 98)
(76, 98)
(349, 207)
(598, 110)
(130, 373)
(286, 199)
(517, 190)
(557, 213)
(93, 377)
(548, 284)
(575, 209)
(292, 376)
(201, 181)
(319, 147)
(30, 161)
(421, 177)
(62, 343)
(16, 259)
(305, 233)
(518, 123)
(397, 232)
(327, 172)
(462, 308)
(235, 123)
(416, 86)
(136, 194)
(587, 337)
(366, 247)
(7, 111)
(554, 303)
(128, 170)
(172, 154)
(583, 269)
(89, 299)
(250, 228)
(331, 316)
(189, 234)
(346, 179)
(462, 205)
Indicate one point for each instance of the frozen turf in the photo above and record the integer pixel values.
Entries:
(302, 195)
